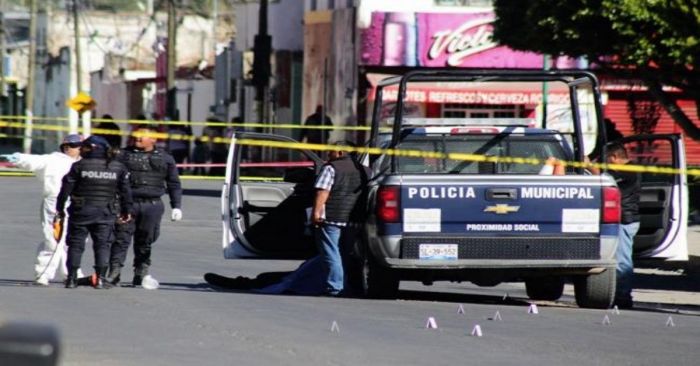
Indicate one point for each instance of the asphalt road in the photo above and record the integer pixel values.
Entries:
(187, 323)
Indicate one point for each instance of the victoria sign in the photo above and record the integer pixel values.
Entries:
(438, 40)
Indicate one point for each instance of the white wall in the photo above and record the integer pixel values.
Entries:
(202, 97)
(313, 5)
(366, 7)
(284, 24)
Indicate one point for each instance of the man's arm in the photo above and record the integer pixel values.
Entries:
(32, 162)
(323, 186)
(124, 190)
(67, 186)
(172, 182)
(319, 204)
(593, 169)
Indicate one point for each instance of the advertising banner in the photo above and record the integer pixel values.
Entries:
(439, 40)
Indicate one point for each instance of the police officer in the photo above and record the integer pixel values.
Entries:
(152, 171)
(92, 185)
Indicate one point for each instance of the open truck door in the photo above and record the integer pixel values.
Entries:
(663, 204)
(265, 197)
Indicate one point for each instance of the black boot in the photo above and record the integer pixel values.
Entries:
(102, 281)
(139, 273)
(114, 276)
(72, 279)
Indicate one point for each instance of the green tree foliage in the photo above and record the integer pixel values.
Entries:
(657, 41)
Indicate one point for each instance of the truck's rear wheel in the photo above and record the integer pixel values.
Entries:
(596, 291)
(378, 282)
(545, 288)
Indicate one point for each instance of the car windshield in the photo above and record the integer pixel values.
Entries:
(539, 147)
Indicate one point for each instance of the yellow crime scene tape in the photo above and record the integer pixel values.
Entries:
(194, 123)
(362, 150)
(465, 157)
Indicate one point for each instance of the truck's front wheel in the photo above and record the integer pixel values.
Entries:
(545, 288)
(596, 291)
(378, 282)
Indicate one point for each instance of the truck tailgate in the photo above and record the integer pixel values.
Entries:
(501, 206)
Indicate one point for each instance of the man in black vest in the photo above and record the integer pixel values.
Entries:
(338, 187)
(92, 185)
(630, 185)
(152, 172)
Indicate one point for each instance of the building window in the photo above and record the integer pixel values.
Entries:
(314, 5)
(331, 4)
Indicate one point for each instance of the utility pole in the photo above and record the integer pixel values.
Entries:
(78, 68)
(170, 106)
(29, 97)
(2, 55)
(262, 48)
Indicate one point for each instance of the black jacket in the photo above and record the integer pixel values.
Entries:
(151, 174)
(630, 189)
(95, 182)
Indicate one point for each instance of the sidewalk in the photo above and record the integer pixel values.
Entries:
(672, 283)
(668, 286)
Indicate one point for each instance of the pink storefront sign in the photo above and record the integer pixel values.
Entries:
(441, 96)
(439, 40)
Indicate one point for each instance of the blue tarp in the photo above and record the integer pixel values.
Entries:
(307, 279)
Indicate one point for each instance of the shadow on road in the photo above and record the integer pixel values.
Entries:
(461, 298)
(16, 283)
(671, 276)
(669, 282)
(174, 286)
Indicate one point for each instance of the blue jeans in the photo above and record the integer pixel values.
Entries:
(625, 267)
(328, 243)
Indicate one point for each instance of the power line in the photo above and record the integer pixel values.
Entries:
(92, 29)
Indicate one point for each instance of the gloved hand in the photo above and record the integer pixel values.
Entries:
(124, 218)
(12, 158)
(176, 215)
(60, 215)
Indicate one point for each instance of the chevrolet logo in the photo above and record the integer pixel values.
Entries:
(501, 209)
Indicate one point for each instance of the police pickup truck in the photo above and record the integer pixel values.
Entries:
(456, 206)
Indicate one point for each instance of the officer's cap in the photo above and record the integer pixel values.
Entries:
(72, 139)
(97, 141)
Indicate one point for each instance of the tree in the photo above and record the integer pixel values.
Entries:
(657, 41)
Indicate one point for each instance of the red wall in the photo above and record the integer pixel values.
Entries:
(616, 110)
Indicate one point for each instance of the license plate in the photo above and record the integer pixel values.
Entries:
(438, 251)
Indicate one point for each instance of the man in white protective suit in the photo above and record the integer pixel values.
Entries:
(50, 169)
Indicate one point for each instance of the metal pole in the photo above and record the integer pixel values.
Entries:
(545, 91)
(215, 24)
(78, 66)
(324, 100)
(29, 98)
(172, 60)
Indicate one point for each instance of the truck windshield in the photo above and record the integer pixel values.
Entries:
(539, 147)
